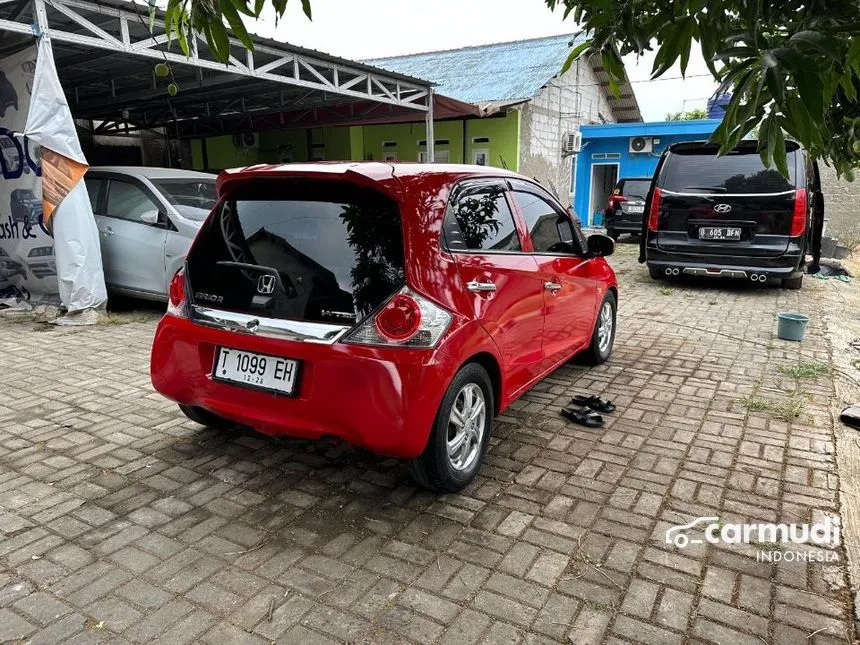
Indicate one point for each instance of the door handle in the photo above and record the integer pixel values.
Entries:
(475, 287)
(551, 286)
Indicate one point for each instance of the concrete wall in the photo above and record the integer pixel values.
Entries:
(563, 104)
(841, 204)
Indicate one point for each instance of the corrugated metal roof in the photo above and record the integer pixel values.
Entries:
(497, 73)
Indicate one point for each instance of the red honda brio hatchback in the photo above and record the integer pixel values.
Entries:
(398, 307)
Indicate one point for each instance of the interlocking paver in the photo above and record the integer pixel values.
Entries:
(122, 521)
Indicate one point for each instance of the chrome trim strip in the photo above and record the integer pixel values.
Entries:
(277, 328)
(724, 273)
(672, 192)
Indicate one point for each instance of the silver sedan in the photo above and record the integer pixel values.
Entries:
(147, 220)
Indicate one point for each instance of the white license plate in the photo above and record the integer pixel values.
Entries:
(635, 209)
(260, 371)
(719, 233)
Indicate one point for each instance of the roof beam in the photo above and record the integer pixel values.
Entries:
(289, 67)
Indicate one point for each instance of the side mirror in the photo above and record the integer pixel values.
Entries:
(149, 217)
(601, 245)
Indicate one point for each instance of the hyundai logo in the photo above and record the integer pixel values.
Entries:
(266, 284)
(722, 208)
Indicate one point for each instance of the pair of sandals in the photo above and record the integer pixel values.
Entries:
(583, 410)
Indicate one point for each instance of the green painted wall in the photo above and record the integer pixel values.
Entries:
(365, 142)
(503, 133)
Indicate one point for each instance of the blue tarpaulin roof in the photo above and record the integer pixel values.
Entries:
(498, 73)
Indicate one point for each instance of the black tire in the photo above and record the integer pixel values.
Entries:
(434, 468)
(597, 351)
(206, 418)
(656, 273)
(792, 283)
(611, 232)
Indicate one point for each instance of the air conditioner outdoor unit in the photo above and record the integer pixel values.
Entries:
(246, 139)
(641, 144)
(571, 143)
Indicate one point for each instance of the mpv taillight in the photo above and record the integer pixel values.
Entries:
(616, 199)
(177, 304)
(798, 220)
(404, 320)
(654, 213)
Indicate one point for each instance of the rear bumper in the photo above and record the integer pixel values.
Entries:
(625, 225)
(784, 266)
(383, 399)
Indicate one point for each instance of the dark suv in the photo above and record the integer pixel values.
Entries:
(730, 216)
(626, 205)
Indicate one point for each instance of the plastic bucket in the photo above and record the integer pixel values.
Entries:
(791, 326)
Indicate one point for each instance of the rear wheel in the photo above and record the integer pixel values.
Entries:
(460, 434)
(206, 418)
(655, 273)
(611, 232)
(792, 283)
(603, 337)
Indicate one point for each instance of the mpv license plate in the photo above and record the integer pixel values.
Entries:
(636, 209)
(260, 371)
(718, 233)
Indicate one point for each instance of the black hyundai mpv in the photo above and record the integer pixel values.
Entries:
(730, 216)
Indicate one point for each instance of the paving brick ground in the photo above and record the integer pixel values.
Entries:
(121, 521)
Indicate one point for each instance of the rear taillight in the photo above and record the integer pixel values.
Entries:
(400, 319)
(654, 213)
(177, 304)
(798, 220)
(404, 320)
(616, 199)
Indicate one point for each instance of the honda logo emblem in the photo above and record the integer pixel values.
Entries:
(722, 208)
(266, 284)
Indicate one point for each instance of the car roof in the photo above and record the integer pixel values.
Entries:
(153, 172)
(383, 174)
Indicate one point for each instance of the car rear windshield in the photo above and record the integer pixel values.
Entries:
(192, 197)
(637, 188)
(314, 251)
(699, 169)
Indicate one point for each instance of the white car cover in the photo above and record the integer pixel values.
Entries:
(76, 238)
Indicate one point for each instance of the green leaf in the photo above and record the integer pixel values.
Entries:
(817, 41)
(574, 54)
(811, 91)
(776, 85)
(237, 25)
(242, 7)
(764, 149)
(306, 7)
(258, 7)
(779, 155)
(218, 40)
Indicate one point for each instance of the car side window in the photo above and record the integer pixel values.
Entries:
(551, 232)
(481, 220)
(128, 201)
(94, 188)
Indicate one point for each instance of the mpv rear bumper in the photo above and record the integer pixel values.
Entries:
(383, 399)
(788, 265)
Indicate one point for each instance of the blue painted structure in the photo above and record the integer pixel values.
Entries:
(498, 73)
(613, 139)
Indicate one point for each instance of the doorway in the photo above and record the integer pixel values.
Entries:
(604, 176)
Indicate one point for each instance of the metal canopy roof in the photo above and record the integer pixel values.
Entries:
(105, 57)
(507, 73)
